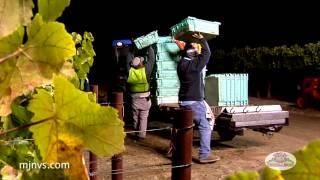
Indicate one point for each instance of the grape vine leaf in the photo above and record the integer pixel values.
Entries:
(52, 9)
(48, 47)
(8, 45)
(307, 167)
(249, 175)
(49, 43)
(308, 163)
(54, 144)
(68, 149)
(83, 60)
(44, 174)
(15, 153)
(20, 113)
(73, 122)
(11, 42)
(13, 14)
(268, 173)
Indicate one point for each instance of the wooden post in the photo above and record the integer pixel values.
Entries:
(117, 166)
(182, 153)
(93, 164)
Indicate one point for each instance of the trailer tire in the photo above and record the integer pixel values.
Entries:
(277, 128)
(301, 102)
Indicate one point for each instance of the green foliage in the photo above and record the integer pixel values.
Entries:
(268, 173)
(49, 43)
(20, 114)
(244, 176)
(71, 113)
(307, 167)
(308, 163)
(312, 54)
(8, 45)
(52, 9)
(48, 47)
(62, 119)
(15, 151)
(276, 58)
(14, 13)
(44, 174)
(83, 60)
(18, 151)
(12, 42)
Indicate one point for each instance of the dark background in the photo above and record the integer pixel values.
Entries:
(243, 23)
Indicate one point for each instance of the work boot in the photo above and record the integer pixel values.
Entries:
(210, 159)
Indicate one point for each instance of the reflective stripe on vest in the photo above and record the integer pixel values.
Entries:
(138, 80)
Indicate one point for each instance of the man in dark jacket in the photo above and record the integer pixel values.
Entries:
(191, 93)
(139, 87)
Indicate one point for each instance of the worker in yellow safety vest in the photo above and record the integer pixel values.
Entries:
(138, 82)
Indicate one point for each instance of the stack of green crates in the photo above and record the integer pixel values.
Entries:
(227, 89)
(165, 84)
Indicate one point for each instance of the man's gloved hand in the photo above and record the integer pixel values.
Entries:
(198, 35)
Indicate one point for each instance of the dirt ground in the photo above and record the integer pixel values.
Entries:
(146, 160)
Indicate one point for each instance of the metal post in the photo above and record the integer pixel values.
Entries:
(117, 166)
(95, 89)
(93, 164)
(182, 153)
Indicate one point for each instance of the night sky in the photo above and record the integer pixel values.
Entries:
(243, 23)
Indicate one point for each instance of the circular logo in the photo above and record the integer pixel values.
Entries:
(280, 160)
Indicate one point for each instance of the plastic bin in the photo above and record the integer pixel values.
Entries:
(167, 65)
(171, 48)
(227, 89)
(167, 56)
(146, 40)
(184, 29)
(168, 83)
(167, 91)
(165, 39)
(172, 74)
(165, 100)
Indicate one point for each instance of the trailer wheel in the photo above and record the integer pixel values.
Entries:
(301, 103)
(304, 101)
(226, 134)
(277, 128)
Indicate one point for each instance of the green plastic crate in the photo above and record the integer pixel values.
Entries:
(167, 91)
(165, 39)
(160, 100)
(227, 89)
(184, 29)
(171, 48)
(166, 65)
(146, 40)
(167, 56)
(171, 74)
(168, 83)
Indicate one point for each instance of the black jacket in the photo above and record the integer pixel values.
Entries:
(190, 75)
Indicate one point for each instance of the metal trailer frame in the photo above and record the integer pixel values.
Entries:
(233, 120)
